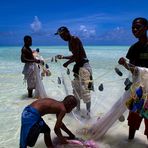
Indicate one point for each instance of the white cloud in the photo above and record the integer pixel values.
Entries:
(36, 25)
(118, 33)
(87, 31)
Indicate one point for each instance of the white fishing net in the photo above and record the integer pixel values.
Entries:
(39, 89)
(98, 129)
(102, 125)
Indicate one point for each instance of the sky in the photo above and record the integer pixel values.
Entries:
(95, 22)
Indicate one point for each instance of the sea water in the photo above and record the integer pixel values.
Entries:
(13, 92)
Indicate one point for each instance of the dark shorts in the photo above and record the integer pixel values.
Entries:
(134, 120)
(36, 129)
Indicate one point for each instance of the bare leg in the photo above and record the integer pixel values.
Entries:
(47, 139)
(88, 104)
(30, 93)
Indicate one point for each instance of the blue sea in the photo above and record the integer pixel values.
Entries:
(13, 92)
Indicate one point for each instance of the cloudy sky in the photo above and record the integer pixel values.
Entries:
(96, 22)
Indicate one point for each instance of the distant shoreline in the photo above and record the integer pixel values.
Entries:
(64, 45)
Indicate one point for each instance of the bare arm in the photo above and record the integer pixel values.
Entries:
(75, 47)
(67, 57)
(64, 128)
(71, 59)
(58, 127)
(128, 66)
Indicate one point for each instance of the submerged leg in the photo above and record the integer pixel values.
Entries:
(30, 93)
(88, 105)
(131, 133)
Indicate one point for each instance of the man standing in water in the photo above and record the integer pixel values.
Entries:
(138, 56)
(29, 60)
(82, 83)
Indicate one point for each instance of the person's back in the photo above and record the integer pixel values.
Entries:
(48, 106)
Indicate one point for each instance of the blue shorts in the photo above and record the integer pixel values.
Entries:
(31, 126)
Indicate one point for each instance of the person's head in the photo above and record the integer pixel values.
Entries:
(139, 27)
(27, 40)
(64, 33)
(70, 102)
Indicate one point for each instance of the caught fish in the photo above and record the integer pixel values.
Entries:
(128, 86)
(46, 65)
(101, 87)
(59, 80)
(127, 81)
(118, 71)
(121, 118)
(68, 71)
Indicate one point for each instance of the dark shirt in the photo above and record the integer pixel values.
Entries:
(138, 55)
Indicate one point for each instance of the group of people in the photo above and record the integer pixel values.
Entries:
(33, 124)
(82, 85)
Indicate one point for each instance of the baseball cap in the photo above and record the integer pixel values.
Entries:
(61, 30)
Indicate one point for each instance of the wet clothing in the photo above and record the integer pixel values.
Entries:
(31, 126)
(79, 57)
(138, 54)
(29, 67)
(29, 75)
(135, 118)
(84, 64)
(77, 66)
(134, 121)
(81, 83)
